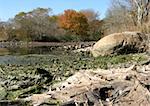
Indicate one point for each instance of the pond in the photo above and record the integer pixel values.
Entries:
(27, 50)
(29, 55)
(40, 53)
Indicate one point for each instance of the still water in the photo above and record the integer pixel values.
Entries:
(30, 50)
(30, 55)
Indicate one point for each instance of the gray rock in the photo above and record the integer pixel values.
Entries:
(14, 87)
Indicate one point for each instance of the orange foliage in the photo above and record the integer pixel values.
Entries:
(74, 22)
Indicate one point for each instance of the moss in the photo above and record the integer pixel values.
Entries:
(104, 61)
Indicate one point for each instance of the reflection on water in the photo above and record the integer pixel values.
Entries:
(31, 50)
(22, 55)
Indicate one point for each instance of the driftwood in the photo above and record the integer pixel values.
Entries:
(113, 87)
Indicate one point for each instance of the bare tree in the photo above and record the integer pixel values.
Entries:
(143, 10)
(118, 17)
(125, 15)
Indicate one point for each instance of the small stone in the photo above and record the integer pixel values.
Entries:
(107, 99)
(120, 92)
(14, 87)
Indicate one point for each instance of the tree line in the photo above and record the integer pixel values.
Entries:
(40, 25)
(85, 25)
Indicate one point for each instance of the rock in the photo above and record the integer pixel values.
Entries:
(1, 71)
(37, 99)
(120, 43)
(45, 73)
(14, 87)
(87, 49)
(3, 93)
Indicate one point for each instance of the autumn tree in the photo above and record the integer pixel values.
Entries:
(74, 22)
(95, 30)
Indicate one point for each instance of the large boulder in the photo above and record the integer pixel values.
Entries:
(121, 43)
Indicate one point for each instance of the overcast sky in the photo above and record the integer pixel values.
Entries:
(9, 8)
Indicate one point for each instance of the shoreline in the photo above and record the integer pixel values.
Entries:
(39, 44)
